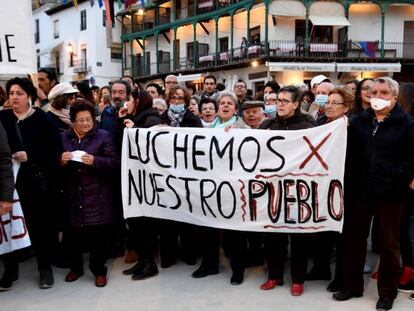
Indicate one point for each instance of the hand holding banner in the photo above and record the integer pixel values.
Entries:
(250, 180)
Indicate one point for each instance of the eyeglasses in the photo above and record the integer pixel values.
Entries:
(86, 120)
(271, 100)
(177, 98)
(366, 89)
(239, 86)
(283, 101)
(171, 82)
(334, 103)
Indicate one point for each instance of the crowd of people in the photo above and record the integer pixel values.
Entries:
(68, 141)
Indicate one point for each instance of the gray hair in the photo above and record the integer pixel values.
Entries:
(229, 94)
(196, 98)
(160, 101)
(392, 84)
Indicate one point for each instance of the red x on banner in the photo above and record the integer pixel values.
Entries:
(315, 152)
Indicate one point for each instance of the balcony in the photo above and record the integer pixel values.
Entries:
(80, 66)
(354, 51)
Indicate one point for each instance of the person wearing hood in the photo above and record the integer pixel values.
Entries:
(61, 97)
(379, 170)
(289, 117)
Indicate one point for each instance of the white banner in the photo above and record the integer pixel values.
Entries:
(17, 51)
(13, 231)
(251, 180)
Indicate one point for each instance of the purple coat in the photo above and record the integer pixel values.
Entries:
(88, 189)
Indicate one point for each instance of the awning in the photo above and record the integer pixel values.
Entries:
(50, 48)
(287, 8)
(329, 20)
(193, 77)
(317, 67)
(377, 67)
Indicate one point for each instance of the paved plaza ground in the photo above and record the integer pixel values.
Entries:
(174, 289)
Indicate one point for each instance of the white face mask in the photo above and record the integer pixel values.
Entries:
(378, 104)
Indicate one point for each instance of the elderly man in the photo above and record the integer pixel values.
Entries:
(379, 168)
(317, 109)
(170, 81)
(6, 175)
(253, 113)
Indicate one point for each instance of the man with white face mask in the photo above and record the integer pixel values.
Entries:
(379, 167)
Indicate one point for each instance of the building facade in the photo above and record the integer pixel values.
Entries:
(76, 42)
(257, 40)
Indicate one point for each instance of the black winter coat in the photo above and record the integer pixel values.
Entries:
(144, 119)
(380, 163)
(298, 121)
(6, 172)
(88, 189)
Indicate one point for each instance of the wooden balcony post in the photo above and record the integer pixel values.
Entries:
(216, 34)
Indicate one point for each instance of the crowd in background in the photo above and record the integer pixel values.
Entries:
(68, 141)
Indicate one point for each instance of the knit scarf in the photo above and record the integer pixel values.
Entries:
(218, 124)
(176, 118)
(62, 114)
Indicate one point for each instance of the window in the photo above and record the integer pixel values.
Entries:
(224, 44)
(38, 58)
(37, 31)
(83, 20)
(254, 35)
(113, 22)
(317, 33)
(116, 53)
(56, 29)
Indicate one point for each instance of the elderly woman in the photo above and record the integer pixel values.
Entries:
(160, 105)
(178, 115)
(61, 97)
(35, 143)
(289, 117)
(208, 111)
(89, 162)
(210, 237)
(228, 106)
(339, 103)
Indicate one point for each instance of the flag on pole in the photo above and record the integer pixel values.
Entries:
(75, 3)
(92, 3)
(100, 3)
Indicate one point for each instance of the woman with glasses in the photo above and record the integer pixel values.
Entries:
(89, 163)
(178, 114)
(339, 103)
(363, 95)
(36, 145)
(61, 97)
(288, 117)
